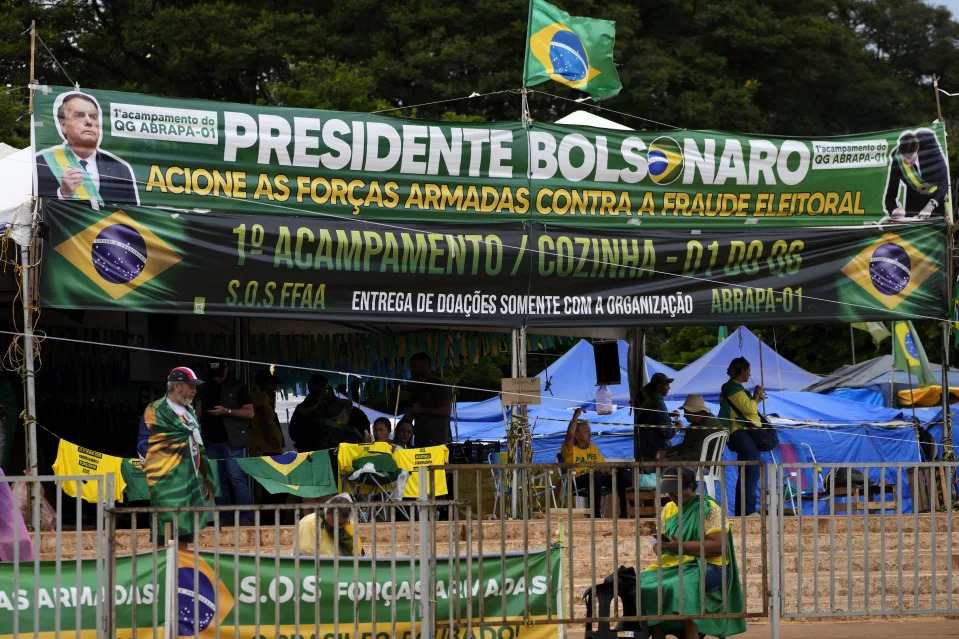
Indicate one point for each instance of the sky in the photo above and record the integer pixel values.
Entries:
(952, 5)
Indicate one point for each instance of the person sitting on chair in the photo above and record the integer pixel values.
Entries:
(381, 430)
(336, 536)
(577, 449)
(699, 524)
(702, 424)
(403, 434)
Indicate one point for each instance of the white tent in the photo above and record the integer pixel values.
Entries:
(16, 192)
(585, 118)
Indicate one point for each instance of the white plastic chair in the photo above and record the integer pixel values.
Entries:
(541, 487)
(493, 459)
(566, 475)
(712, 452)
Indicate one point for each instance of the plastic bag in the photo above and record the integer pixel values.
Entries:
(23, 493)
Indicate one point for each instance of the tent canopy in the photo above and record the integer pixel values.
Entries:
(869, 380)
(572, 383)
(16, 192)
(707, 374)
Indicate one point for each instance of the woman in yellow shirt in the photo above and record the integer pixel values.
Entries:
(738, 408)
(701, 528)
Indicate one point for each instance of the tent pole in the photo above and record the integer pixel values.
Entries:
(513, 452)
(892, 386)
(852, 344)
(26, 298)
(644, 374)
(948, 453)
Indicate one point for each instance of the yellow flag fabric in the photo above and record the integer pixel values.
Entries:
(926, 396)
(413, 459)
(73, 460)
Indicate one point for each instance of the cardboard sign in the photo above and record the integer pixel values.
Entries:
(521, 390)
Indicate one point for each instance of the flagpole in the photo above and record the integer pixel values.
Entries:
(762, 376)
(947, 452)
(852, 344)
(525, 103)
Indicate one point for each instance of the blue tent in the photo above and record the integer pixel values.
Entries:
(572, 377)
(707, 374)
(868, 381)
(572, 383)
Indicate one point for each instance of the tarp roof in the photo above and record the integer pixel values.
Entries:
(874, 375)
(707, 374)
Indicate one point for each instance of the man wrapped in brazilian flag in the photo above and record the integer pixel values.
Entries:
(177, 470)
(700, 526)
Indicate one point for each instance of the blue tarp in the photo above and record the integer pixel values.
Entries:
(573, 377)
(572, 383)
(829, 445)
(707, 374)
(862, 395)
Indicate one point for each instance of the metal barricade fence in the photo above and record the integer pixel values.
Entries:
(296, 571)
(858, 539)
(56, 580)
(586, 549)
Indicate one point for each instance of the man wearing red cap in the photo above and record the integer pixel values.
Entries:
(177, 470)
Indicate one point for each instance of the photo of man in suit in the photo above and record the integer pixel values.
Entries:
(918, 164)
(78, 169)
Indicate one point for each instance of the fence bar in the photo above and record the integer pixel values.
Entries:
(776, 551)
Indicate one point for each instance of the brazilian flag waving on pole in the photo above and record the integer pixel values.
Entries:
(574, 51)
(908, 355)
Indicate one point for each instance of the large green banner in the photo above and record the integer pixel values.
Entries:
(263, 599)
(274, 597)
(107, 147)
(65, 596)
(436, 273)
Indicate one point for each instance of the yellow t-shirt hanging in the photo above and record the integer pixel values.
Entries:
(73, 460)
(412, 459)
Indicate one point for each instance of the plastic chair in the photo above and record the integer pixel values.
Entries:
(799, 483)
(712, 452)
(541, 485)
(567, 475)
(373, 479)
(495, 459)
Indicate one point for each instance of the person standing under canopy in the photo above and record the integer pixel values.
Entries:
(739, 410)
(178, 472)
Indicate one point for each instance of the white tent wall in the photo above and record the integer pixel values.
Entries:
(16, 192)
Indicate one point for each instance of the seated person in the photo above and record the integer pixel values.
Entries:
(704, 424)
(403, 434)
(698, 574)
(577, 449)
(381, 430)
(337, 534)
(655, 424)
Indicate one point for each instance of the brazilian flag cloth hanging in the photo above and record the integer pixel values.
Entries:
(301, 474)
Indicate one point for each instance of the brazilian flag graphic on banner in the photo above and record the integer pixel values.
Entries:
(574, 51)
(892, 273)
(118, 257)
(203, 601)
